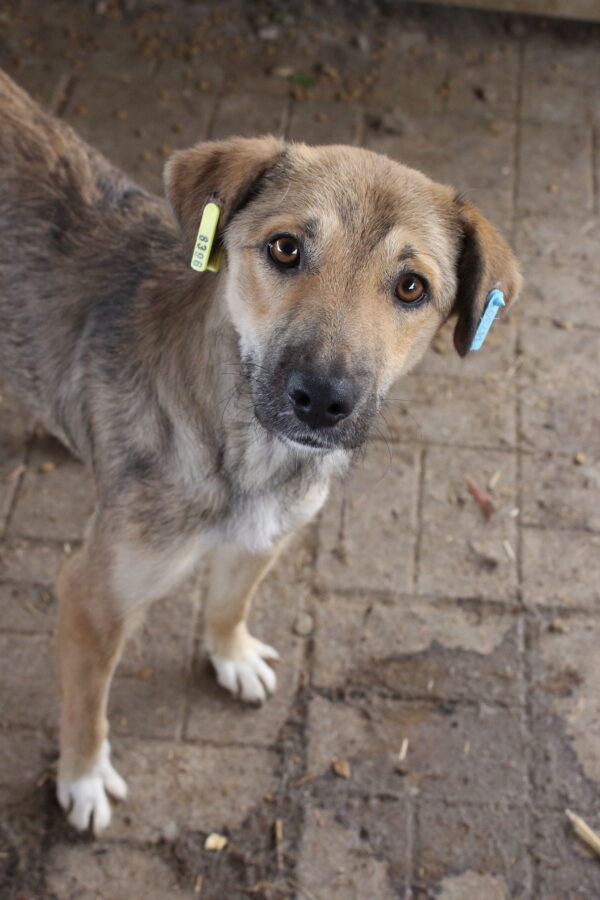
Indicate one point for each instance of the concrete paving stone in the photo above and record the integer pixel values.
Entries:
(29, 685)
(486, 83)
(461, 553)
(555, 172)
(79, 872)
(324, 123)
(408, 50)
(176, 787)
(473, 154)
(559, 262)
(558, 492)
(567, 867)
(452, 839)
(249, 114)
(150, 706)
(32, 562)
(456, 68)
(560, 391)
(26, 608)
(368, 527)
(496, 358)
(566, 707)
(470, 755)
(561, 568)
(447, 410)
(418, 649)
(55, 504)
(557, 75)
(136, 123)
(337, 863)
(213, 713)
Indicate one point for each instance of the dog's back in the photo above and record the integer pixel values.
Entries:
(76, 239)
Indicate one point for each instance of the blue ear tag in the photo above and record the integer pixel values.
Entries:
(495, 299)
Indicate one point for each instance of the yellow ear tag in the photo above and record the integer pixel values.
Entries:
(201, 258)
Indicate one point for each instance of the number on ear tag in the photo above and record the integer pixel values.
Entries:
(495, 300)
(201, 260)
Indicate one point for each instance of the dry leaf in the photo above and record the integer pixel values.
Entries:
(341, 767)
(482, 498)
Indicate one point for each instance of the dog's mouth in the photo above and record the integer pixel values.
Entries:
(348, 435)
(307, 443)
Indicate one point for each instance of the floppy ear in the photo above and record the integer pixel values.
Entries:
(485, 262)
(227, 172)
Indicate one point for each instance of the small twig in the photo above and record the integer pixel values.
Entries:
(310, 776)
(587, 834)
(278, 829)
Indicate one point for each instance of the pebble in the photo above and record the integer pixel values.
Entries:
(304, 624)
(170, 831)
(269, 33)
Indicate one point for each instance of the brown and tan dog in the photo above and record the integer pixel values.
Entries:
(212, 409)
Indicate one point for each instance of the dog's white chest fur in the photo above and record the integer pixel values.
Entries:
(259, 523)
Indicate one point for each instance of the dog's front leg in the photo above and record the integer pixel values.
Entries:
(91, 632)
(238, 658)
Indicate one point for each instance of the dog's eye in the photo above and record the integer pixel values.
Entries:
(410, 289)
(285, 251)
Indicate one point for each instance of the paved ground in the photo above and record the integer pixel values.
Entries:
(408, 624)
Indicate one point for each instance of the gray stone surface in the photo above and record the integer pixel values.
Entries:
(438, 692)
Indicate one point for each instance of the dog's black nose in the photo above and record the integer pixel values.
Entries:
(321, 401)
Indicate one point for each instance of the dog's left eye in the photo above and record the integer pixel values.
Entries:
(411, 289)
(285, 251)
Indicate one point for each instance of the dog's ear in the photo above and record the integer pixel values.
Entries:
(228, 172)
(485, 262)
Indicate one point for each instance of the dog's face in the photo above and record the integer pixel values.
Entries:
(341, 266)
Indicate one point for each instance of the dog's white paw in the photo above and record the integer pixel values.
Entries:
(241, 668)
(86, 798)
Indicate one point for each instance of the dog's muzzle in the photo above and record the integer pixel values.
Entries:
(321, 401)
(320, 407)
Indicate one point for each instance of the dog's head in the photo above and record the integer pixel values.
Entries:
(341, 266)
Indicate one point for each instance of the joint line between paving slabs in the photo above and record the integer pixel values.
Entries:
(595, 163)
(518, 137)
(212, 118)
(286, 118)
(62, 93)
(421, 463)
(360, 128)
(523, 615)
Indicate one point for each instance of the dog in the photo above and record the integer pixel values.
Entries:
(212, 408)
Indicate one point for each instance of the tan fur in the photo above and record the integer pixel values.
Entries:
(174, 386)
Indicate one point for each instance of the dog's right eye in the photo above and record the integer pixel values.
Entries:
(285, 251)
